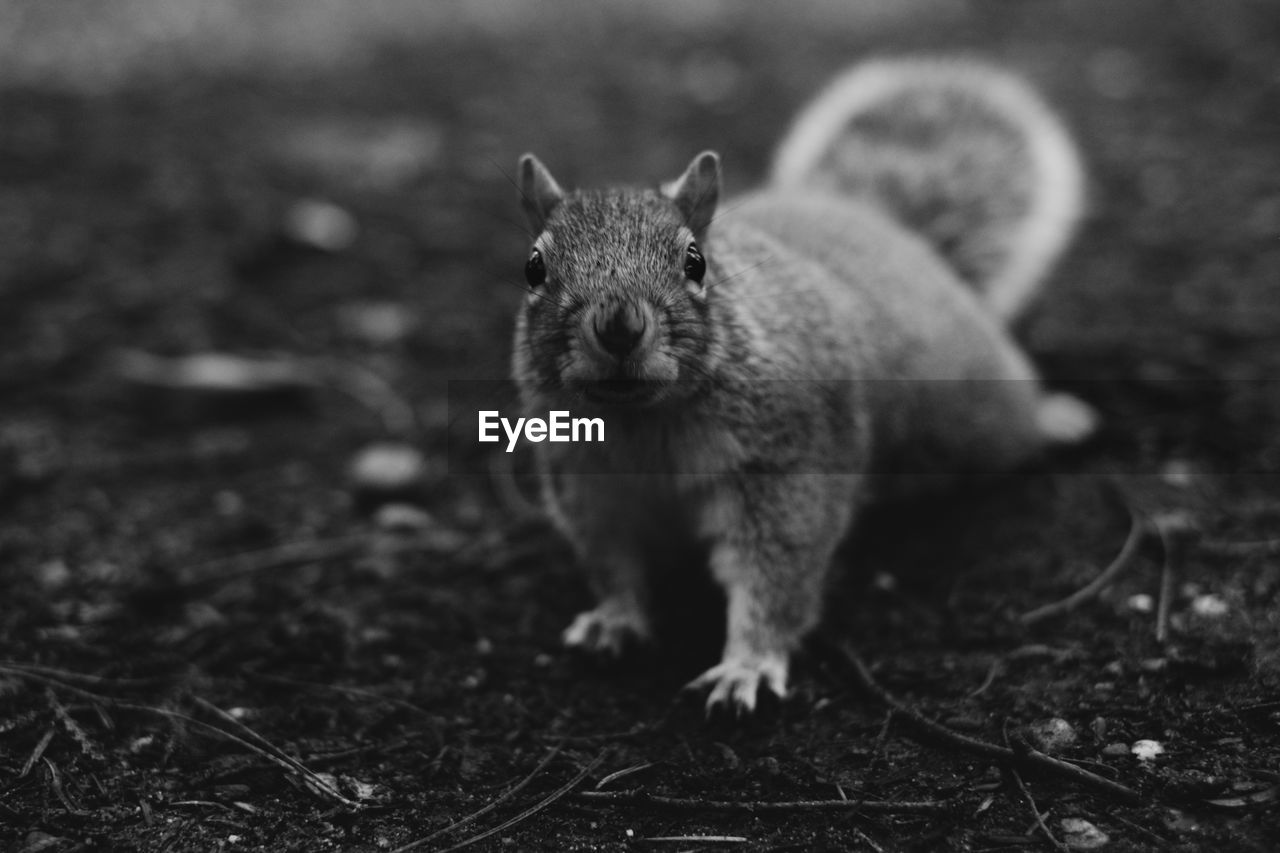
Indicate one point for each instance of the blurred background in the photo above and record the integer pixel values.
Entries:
(245, 244)
(330, 181)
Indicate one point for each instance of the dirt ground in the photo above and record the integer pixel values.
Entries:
(209, 639)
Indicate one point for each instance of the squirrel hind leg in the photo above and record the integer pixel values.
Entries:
(1065, 419)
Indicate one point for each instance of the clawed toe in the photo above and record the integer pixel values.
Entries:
(734, 686)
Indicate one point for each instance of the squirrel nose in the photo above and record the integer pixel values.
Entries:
(621, 332)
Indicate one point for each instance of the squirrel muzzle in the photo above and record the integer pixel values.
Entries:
(620, 330)
(620, 356)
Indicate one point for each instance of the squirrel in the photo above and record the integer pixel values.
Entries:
(838, 335)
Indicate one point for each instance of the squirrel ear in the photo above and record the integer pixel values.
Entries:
(539, 192)
(697, 191)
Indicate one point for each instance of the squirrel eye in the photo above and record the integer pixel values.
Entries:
(695, 266)
(535, 271)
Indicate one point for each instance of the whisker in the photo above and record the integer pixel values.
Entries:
(526, 288)
(528, 201)
(697, 370)
(506, 220)
(732, 276)
(720, 214)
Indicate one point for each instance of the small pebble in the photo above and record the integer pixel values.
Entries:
(201, 615)
(378, 154)
(1052, 735)
(388, 467)
(1079, 834)
(321, 225)
(138, 744)
(1178, 472)
(1147, 750)
(1115, 750)
(53, 574)
(376, 323)
(403, 518)
(228, 503)
(1211, 605)
(212, 372)
(1141, 603)
(966, 723)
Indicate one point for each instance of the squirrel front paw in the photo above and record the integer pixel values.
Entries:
(610, 629)
(734, 683)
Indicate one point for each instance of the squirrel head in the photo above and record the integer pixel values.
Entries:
(618, 309)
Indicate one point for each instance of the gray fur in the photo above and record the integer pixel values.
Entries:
(834, 358)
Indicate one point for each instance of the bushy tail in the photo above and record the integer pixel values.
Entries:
(965, 154)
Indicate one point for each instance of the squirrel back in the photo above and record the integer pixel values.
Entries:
(965, 154)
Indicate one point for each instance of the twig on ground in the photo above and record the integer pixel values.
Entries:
(55, 782)
(87, 746)
(1030, 758)
(1035, 810)
(996, 666)
(276, 751)
(37, 753)
(1165, 600)
(696, 839)
(624, 772)
(867, 839)
(532, 810)
(375, 393)
(1241, 549)
(343, 754)
(882, 738)
(1177, 531)
(1164, 843)
(461, 822)
(357, 692)
(263, 747)
(1137, 529)
(278, 557)
(87, 678)
(208, 804)
(51, 681)
(298, 553)
(639, 798)
(635, 731)
(270, 752)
